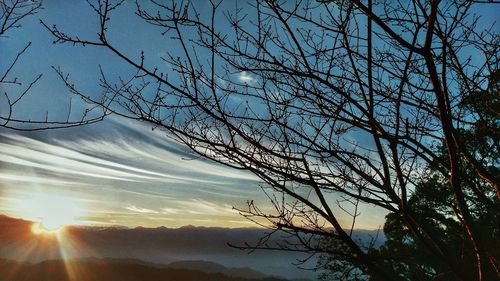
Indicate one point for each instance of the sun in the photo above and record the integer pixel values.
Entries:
(52, 212)
(40, 228)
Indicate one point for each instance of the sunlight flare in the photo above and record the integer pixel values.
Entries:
(40, 228)
(51, 211)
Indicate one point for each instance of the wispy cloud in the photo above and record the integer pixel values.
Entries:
(191, 206)
(246, 78)
(65, 157)
(129, 174)
(141, 210)
(18, 177)
(170, 210)
(201, 206)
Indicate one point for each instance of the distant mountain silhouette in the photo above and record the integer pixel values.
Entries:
(156, 247)
(202, 266)
(105, 271)
(211, 267)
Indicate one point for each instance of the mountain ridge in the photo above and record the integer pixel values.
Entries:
(102, 270)
(150, 245)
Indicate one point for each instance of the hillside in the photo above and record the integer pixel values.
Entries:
(105, 271)
(210, 267)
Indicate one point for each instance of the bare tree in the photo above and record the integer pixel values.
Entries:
(11, 15)
(316, 98)
(13, 89)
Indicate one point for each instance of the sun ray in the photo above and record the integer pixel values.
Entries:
(50, 236)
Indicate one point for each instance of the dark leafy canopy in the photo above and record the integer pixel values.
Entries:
(484, 137)
(321, 97)
(434, 207)
(434, 204)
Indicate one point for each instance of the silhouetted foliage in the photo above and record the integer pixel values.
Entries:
(434, 207)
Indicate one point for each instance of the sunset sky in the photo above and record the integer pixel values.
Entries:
(116, 172)
(120, 172)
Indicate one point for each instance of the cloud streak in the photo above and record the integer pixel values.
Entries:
(141, 210)
(129, 175)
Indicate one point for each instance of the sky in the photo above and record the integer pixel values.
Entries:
(116, 172)
(121, 173)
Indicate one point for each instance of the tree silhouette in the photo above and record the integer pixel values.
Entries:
(320, 99)
(12, 13)
(433, 204)
(14, 90)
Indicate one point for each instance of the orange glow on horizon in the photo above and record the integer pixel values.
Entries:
(64, 242)
(52, 214)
